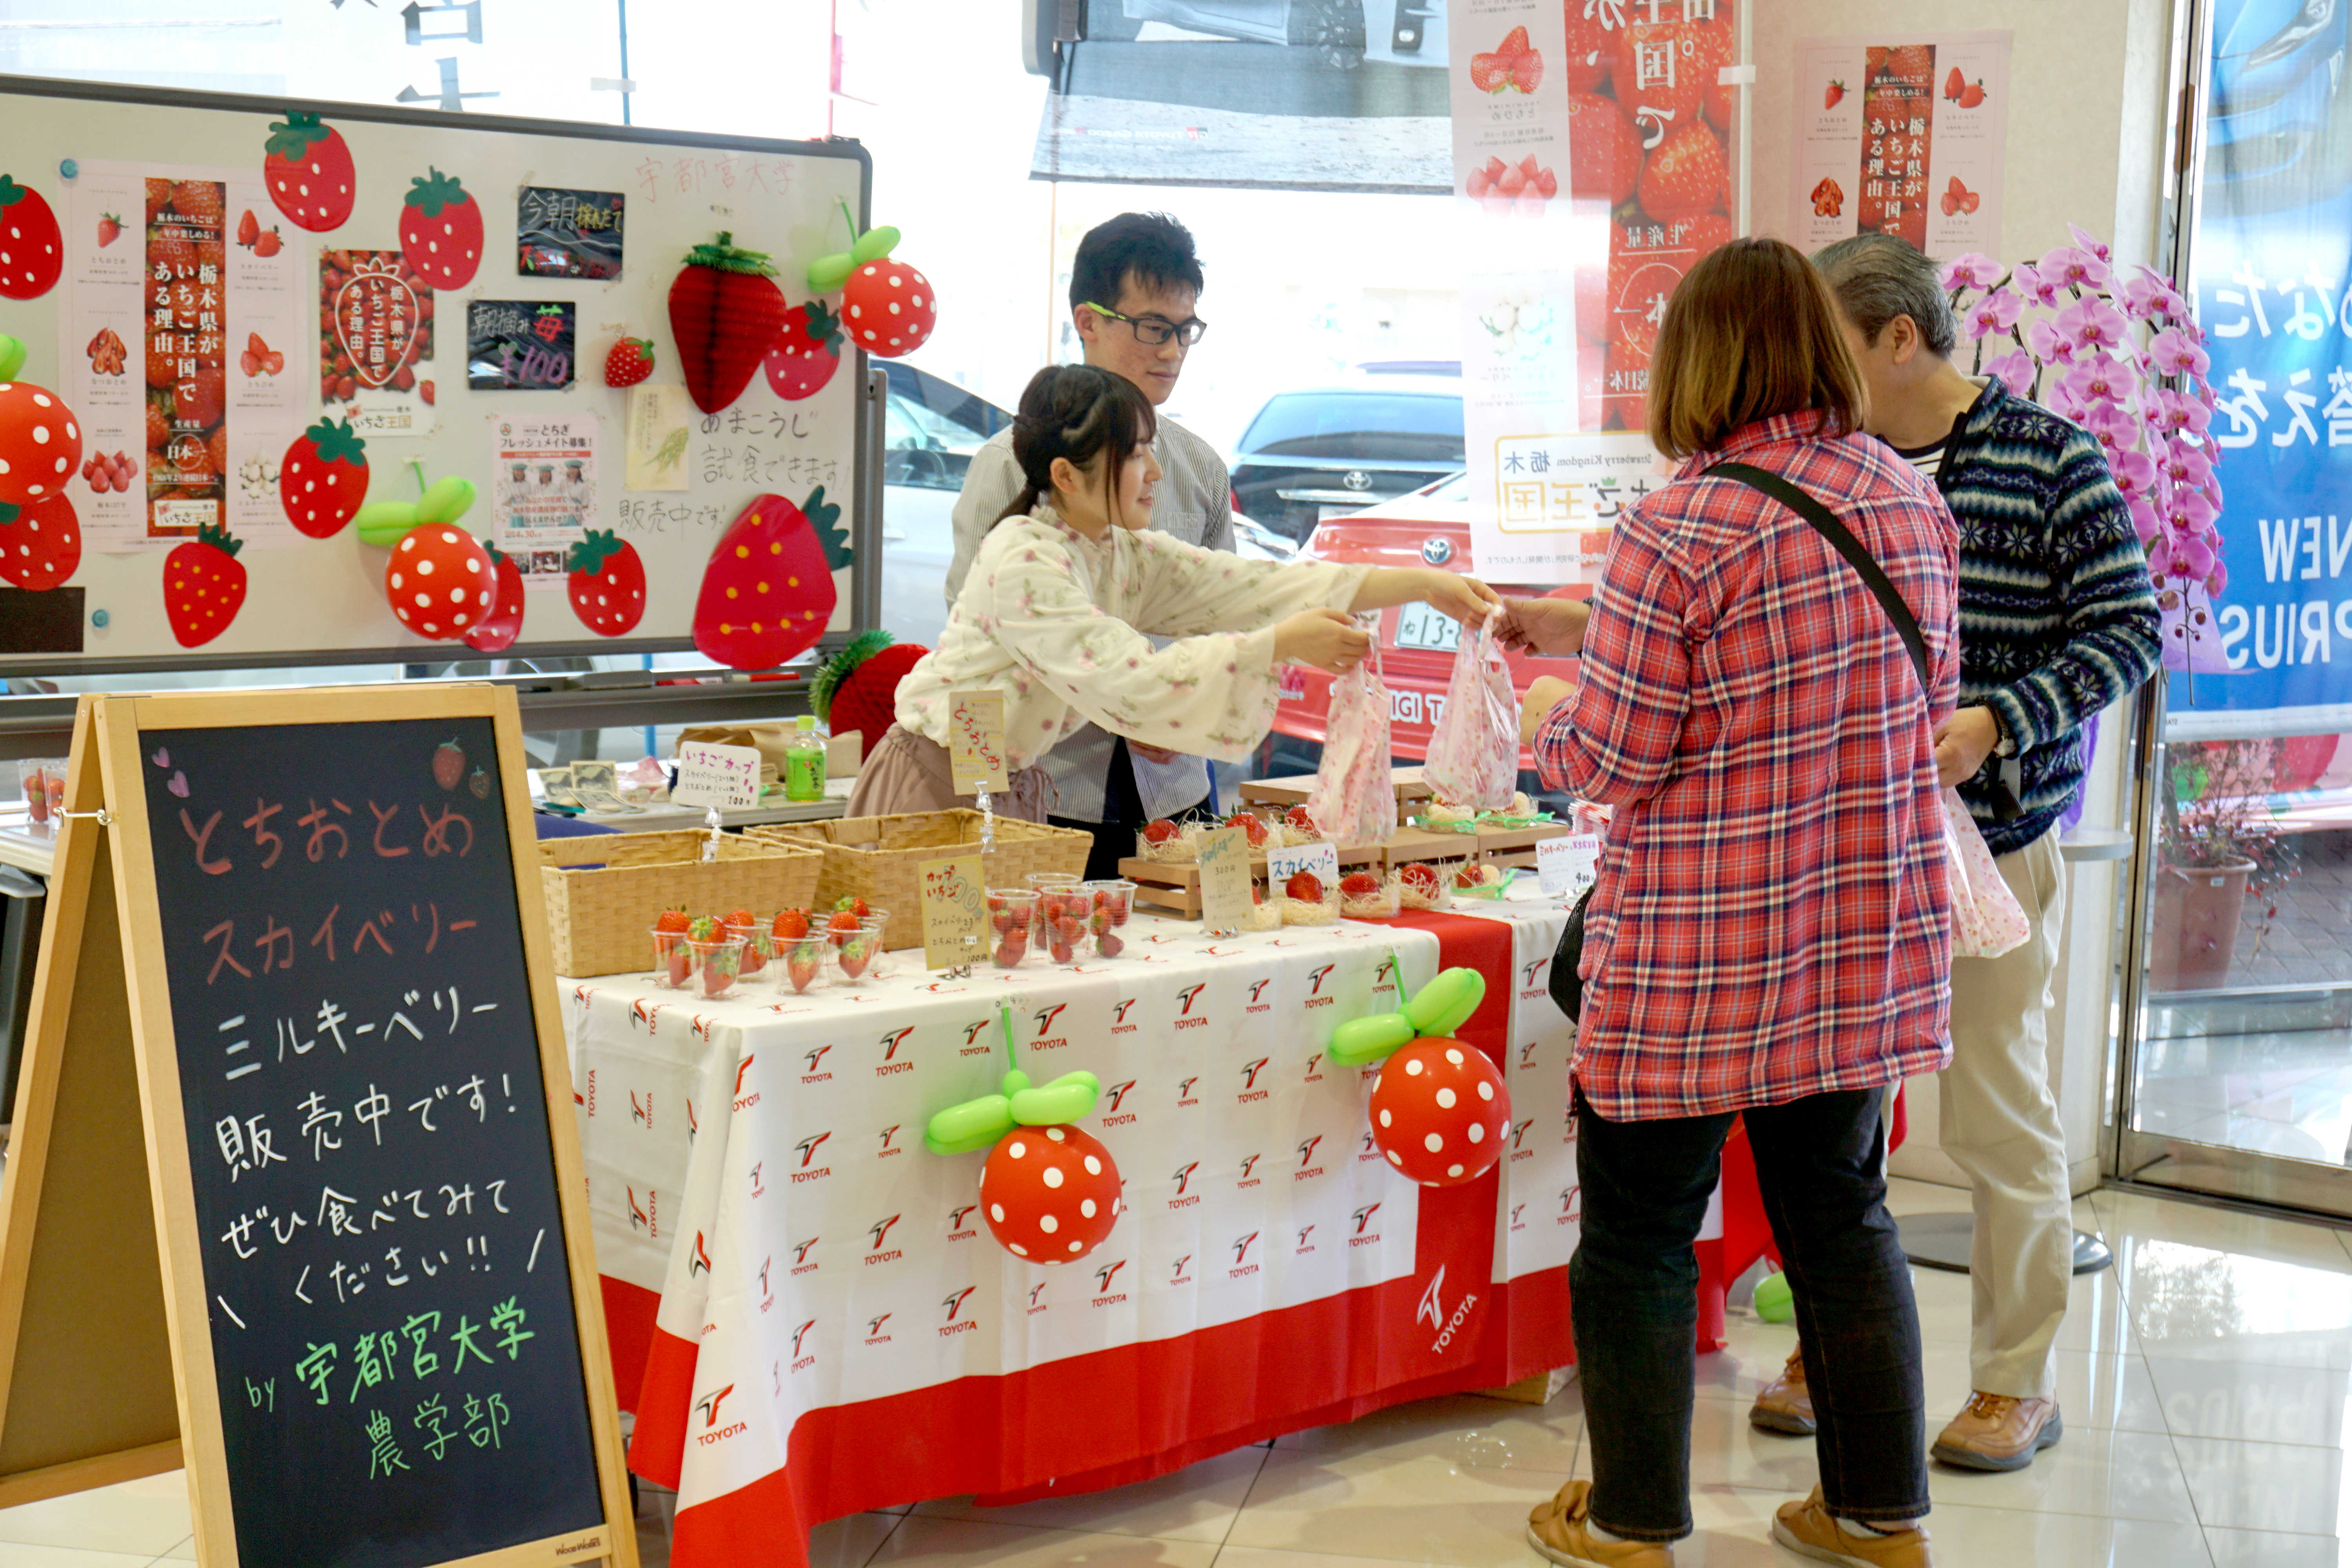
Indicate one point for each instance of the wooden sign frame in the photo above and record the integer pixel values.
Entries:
(106, 1369)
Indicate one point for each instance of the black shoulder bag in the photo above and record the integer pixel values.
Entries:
(1566, 985)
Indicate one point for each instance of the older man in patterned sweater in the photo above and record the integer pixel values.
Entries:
(2058, 620)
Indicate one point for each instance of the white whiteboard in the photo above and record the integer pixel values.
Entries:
(312, 600)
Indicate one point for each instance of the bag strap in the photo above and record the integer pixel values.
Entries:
(1825, 523)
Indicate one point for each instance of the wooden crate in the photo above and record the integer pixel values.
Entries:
(877, 858)
(1502, 846)
(604, 891)
(1294, 791)
(1173, 886)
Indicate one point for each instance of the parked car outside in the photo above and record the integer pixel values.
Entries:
(1324, 451)
(2278, 68)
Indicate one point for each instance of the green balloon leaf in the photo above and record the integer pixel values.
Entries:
(382, 523)
(1065, 1099)
(1359, 1042)
(1445, 1004)
(828, 273)
(12, 357)
(447, 502)
(874, 244)
(974, 1124)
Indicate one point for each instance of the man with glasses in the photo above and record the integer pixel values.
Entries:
(1133, 286)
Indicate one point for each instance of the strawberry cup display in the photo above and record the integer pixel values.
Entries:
(1011, 914)
(759, 946)
(858, 950)
(673, 962)
(1111, 904)
(803, 961)
(717, 964)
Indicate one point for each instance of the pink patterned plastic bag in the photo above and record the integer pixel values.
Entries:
(1986, 919)
(1354, 800)
(1473, 748)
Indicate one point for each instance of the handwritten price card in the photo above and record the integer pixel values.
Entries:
(1565, 866)
(976, 742)
(955, 911)
(1322, 860)
(1225, 879)
(382, 1248)
(520, 345)
(725, 776)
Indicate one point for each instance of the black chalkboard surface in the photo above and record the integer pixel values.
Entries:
(391, 1315)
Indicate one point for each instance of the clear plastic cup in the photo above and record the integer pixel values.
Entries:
(759, 948)
(1012, 916)
(716, 966)
(857, 952)
(1111, 904)
(43, 781)
(802, 962)
(673, 960)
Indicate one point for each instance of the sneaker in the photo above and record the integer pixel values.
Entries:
(1806, 1528)
(1786, 1404)
(1562, 1530)
(1995, 1432)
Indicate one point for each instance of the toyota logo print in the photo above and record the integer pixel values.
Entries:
(1437, 551)
(1357, 480)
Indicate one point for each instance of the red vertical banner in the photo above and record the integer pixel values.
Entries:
(188, 382)
(1897, 122)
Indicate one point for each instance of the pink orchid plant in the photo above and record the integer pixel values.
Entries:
(2124, 359)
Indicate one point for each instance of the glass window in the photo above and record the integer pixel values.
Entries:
(1373, 425)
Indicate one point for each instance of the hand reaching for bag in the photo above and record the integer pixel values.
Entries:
(1551, 627)
(1321, 639)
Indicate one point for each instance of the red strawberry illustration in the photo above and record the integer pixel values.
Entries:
(608, 582)
(441, 231)
(725, 312)
(308, 168)
(40, 545)
(1490, 73)
(1955, 83)
(268, 244)
(1685, 175)
(203, 586)
(768, 591)
(199, 203)
(1972, 95)
(32, 251)
(324, 479)
(110, 228)
(1514, 44)
(1831, 94)
(248, 229)
(631, 360)
(41, 443)
(448, 765)
(1527, 70)
(495, 631)
(807, 352)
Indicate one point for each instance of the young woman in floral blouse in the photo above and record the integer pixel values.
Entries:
(1070, 587)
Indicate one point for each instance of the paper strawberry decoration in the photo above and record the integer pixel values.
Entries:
(40, 545)
(308, 168)
(857, 687)
(32, 251)
(441, 230)
(725, 312)
(40, 441)
(439, 580)
(495, 631)
(607, 583)
(324, 479)
(807, 352)
(768, 591)
(203, 586)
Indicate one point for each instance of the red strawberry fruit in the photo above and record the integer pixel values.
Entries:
(495, 631)
(1422, 877)
(1526, 71)
(40, 545)
(248, 229)
(607, 583)
(1298, 816)
(631, 360)
(768, 591)
(1159, 832)
(672, 920)
(268, 244)
(110, 228)
(1359, 885)
(308, 168)
(1972, 95)
(448, 765)
(440, 231)
(803, 964)
(790, 925)
(1604, 150)
(1303, 886)
(41, 443)
(203, 586)
(324, 479)
(725, 312)
(438, 581)
(1514, 44)
(1489, 73)
(1253, 828)
(1686, 176)
(890, 308)
(851, 904)
(32, 251)
(807, 352)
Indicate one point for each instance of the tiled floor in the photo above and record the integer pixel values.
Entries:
(2206, 1381)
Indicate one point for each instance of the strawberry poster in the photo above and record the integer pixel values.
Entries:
(177, 312)
(543, 491)
(375, 342)
(1902, 138)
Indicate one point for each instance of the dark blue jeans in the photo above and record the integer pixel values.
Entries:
(1633, 1284)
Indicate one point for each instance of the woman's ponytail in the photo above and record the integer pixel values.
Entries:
(1080, 413)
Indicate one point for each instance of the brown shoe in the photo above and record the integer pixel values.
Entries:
(1562, 1530)
(1786, 1404)
(1807, 1528)
(1995, 1432)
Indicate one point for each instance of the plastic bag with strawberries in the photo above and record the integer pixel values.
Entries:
(1353, 800)
(1473, 748)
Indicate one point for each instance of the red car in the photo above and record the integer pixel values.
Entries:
(1429, 527)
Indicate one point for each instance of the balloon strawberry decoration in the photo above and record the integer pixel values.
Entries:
(40, 440)
(725, 312)
(497, 631)
(439, 580)
(1051, 1191)
(768, 591)
(1440, 1109)
(888, 306)
(40, 545)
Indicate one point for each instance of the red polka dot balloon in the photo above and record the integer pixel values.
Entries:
(888, 308)
(1440, 1113)
(1051, 1194)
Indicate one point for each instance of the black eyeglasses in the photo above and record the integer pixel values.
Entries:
(1153, 330)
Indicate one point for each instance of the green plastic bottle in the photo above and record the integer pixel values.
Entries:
(804, 762)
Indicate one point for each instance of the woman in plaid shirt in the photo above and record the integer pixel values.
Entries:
(1769, 934)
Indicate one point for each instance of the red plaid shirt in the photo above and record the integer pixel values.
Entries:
(1771, 919)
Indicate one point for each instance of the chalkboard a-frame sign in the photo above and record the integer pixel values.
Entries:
(295, 1198)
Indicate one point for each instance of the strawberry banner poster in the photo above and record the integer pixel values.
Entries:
(375, 342)
(1900, 137)
(543, 491)
(178, 311)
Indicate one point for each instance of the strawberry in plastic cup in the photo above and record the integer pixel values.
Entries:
(858, 949)
(1011, 914)
(673, 963)
(1110, 905)
(805, 962)
(759, 947)
(717, 964)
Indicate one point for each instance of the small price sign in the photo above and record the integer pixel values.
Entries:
(1322, 860)
(1568, 865)
(955, 911)
(726, 777)
(976, 748)
(1225, 879)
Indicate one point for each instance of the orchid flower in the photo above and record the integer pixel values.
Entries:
(2100, 379)
(2150, 297)
(2046, 343)
(2217, 578)
(2145, 520)
(2015, 368)
(2116, 431)
(2028, 281)
(1973, 270)
(2088, 241)
(2135, 473)
(2191, 557)
(2185, 465)
(1996, 312)
(2178, 412)
(2091, 321)
(2175, 354)
(2069, 267)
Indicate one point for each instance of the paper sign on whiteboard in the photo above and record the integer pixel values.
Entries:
(976, 741)
(726, 777)
(1226, 899)
(955, 911)
(1568, 865)
(1322, 860)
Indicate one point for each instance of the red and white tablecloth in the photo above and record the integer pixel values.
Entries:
(814, 1320)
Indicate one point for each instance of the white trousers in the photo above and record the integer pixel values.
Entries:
(1998, 1123)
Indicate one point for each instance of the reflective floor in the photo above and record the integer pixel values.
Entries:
(2206, 1383)
(2287, 1093)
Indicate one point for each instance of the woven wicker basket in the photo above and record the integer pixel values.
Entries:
(877, 857)
(604, 892)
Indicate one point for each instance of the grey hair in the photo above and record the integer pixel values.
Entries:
(1877, 278)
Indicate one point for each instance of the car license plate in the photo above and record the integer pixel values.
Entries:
(1420, 626)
